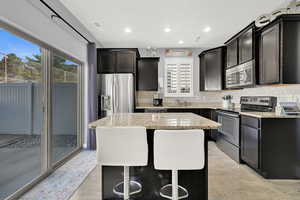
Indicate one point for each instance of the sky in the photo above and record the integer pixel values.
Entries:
(9, 43)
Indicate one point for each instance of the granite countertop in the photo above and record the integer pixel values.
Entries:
(181, 106)
(170, 121)
(217, 106)
(268, 115)
(260, 114)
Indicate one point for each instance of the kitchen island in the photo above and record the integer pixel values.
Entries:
(196, 181)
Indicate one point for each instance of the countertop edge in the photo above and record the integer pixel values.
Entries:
(169, 127)
(250, 114)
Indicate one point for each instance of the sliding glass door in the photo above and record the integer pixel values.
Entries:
(65, 103)
(22, 117)
(40, 110)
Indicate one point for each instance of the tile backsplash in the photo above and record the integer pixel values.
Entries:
(202, 97)
(282, 92)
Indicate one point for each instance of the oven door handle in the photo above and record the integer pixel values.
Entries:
(228, 114)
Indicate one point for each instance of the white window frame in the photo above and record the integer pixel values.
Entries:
(178, 61)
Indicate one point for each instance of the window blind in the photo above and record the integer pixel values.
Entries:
(179, 77)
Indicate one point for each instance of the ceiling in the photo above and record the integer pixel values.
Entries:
(185, 18)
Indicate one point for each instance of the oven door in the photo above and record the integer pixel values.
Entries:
(230, 128)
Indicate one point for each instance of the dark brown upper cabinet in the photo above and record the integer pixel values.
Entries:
(117, 60)
(246, 46)
(279, 50)
(232, 53)
(269, 56)
(241, 47)
(202, 72)
(125, 61)
(147, 74)
(212, 69)
(106, 62)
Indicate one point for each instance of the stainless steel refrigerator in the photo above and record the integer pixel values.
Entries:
(116, 93)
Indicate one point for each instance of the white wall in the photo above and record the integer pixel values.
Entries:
(27, 17)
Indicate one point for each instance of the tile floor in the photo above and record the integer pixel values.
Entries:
(227, 181)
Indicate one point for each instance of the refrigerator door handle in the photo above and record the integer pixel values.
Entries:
(113, 95)
(102, 102)
(117, 87)
(106, 102)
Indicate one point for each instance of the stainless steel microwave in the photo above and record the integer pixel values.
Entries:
(240, 76)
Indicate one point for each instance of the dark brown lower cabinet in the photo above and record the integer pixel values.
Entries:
(271, 146)
(190, 110)
(250, 145)
(214, 133)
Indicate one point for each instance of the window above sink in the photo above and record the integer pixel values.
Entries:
(179, 77)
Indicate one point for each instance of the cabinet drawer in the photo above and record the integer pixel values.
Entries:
(250, 121)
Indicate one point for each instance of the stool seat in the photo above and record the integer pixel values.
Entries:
(178, 150)
(123, 146)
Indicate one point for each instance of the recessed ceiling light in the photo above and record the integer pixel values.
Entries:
(180, 42)
(207, 29)
(167, 30)
(97, 24)
(127, 30)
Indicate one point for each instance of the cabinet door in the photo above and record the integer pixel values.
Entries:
(125, 61)
(147, 74)
(250, 146)
(245, 46)
(232, 54)
(202, 73)
(213, 70)
(106, 62)
(269, 56)
(214, 132)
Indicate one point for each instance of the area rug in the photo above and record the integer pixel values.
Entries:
(62, 183)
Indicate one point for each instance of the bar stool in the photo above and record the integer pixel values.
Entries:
(123, 146)
(178, 150)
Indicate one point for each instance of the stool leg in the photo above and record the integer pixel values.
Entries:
(126, 182)
(174, 185)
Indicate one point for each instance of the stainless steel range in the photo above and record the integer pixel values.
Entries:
(241, 75)
(228, 139)
(258, 103)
